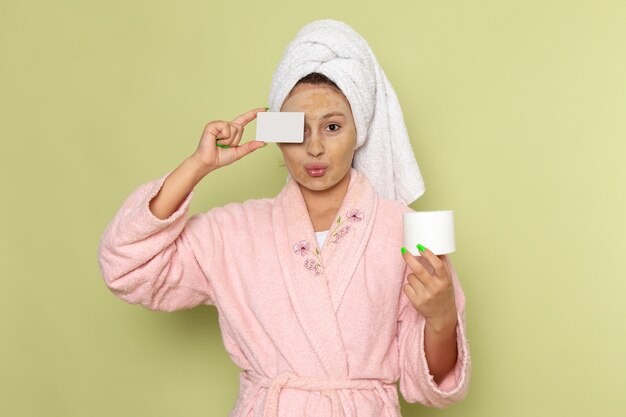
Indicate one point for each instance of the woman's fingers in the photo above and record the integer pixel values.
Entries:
(420, 271)
(240, 121)
(232, 134)
(217, 129)
(229, 155)
(246, 148)
(436, 262)
(238, 134)
(414, 289)
(227, 135)
(247, 117)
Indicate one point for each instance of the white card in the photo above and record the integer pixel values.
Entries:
(280, 126)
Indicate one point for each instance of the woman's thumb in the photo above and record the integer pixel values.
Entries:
(245, 149)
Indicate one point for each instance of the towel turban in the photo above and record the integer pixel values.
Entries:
(383, 149)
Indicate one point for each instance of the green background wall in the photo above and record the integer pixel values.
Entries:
(516, 112)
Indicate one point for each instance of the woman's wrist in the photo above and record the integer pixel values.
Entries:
(176, 187)
(199, 168)
(443, 324)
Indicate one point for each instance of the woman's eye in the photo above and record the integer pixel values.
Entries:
(334, 124)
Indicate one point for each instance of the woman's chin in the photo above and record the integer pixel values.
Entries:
(314, 187)
(314, 184)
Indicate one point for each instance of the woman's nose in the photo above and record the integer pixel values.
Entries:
(314, 145)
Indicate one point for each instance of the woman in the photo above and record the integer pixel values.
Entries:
(320, 329)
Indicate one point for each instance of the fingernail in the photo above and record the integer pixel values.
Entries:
(267, 108)
(264, 145)
(420, 247)
(403, 249)
(222, 146)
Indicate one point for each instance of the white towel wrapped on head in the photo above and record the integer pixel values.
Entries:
(383, 150)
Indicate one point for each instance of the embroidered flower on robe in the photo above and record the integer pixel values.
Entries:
(301, 247)
(341, 229)
(341, 233)
(352, 215)
(313, 265)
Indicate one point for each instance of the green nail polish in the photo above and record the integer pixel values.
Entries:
(267, 108)
(403, 249)
(420, 247)
(222, 146)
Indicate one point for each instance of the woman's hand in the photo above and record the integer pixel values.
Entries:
(212, 152)
(430, 288)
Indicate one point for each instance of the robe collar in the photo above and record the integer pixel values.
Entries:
(317, 279)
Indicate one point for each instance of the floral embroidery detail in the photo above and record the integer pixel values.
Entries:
(341, 233)
(352, 215)
(341, 229)
(312, 264)
(301, 247)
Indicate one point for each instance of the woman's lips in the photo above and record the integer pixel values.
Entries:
(316, 170)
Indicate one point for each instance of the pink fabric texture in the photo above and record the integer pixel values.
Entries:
(316, 332)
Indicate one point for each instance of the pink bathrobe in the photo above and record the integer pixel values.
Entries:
(317, 332)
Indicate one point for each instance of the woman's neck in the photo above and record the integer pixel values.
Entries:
(324, 205)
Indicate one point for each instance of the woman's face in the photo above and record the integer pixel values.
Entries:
(325, 156)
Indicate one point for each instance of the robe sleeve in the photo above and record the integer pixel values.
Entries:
(156, 262)
(416, 382)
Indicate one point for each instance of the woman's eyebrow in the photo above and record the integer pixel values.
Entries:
(335, 113)
(326, 116)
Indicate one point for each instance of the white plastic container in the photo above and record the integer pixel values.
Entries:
(433, 229)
